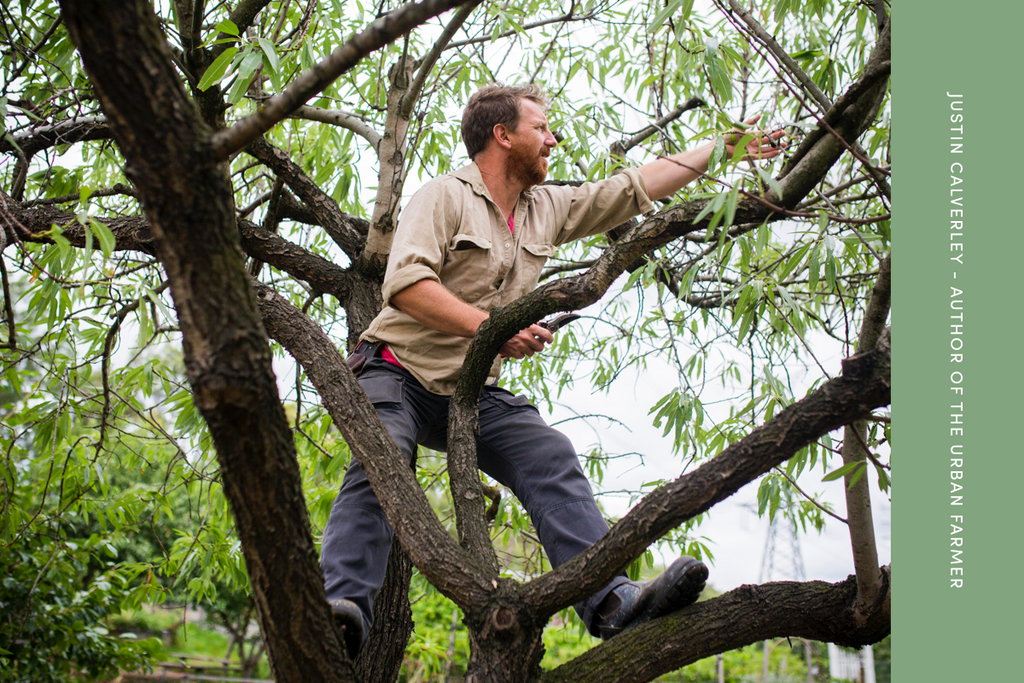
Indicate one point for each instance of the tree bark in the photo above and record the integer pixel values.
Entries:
(391, 176)
(858, 492)
(451, 570)
(188, 199)
(749, 614)
(380, 661)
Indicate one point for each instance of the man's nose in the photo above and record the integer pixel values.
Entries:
(550, 140)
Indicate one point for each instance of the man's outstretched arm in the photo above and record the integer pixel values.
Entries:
(668, 175)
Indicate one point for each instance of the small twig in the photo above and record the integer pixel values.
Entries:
(565, 18)
(118, 189)
(255, 204)
(12, 333)
(312, 441)
(867, 451)
(809, 498)
(105, 364)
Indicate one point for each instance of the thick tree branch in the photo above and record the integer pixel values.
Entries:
(133, 233)
(188, 198)
(814, 610)
(864, 386)
(277, 108)
(429, 546)
(391, 175)
(858, 496)
(37, 138)
(342, 119)
(32, 223)
(188, 27)
(382, 657)
(340, 226)
(323, 275)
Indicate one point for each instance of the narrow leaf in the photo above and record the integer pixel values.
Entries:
(216, 71)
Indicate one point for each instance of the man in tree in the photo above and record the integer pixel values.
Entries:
(468, 242)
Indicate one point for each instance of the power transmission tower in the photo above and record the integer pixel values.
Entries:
(782, 560)
(782, 547)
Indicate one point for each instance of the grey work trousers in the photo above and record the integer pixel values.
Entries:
(516, 448)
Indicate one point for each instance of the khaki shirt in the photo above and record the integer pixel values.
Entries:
(452, 232)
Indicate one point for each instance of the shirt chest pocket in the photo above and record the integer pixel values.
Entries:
(468, 270)
(534, 257)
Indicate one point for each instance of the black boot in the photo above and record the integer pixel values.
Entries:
(349, 621)
(632, 604)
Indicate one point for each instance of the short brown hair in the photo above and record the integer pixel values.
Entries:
(491, 105)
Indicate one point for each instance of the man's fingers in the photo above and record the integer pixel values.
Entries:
(541, 333)
(527, 342)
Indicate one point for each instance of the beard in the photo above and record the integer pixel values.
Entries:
(527, 165)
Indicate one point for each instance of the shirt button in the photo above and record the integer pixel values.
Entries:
(506, 245)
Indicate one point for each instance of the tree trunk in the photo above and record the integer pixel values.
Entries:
(188, 200)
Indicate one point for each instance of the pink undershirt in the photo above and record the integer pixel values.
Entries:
(385, 353)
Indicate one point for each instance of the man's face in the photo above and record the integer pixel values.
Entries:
(532, 142)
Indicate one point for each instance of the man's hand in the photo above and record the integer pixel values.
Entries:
(429, 303)
(763, 146)
(666, 176)
(527, 342)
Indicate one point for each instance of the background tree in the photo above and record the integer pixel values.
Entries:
(197, 176)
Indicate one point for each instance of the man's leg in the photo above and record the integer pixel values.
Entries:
(541, 467)
(357, 538)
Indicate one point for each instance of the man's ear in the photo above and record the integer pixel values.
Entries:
(500, 133)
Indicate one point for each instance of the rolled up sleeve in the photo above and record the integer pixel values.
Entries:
(594, 208)
(421, 240)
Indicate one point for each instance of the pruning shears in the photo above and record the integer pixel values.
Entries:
(558, 322)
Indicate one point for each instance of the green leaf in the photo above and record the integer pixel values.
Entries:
(104, 235)
(662, 16)
(772, 182)
(271, 54)
(216, 71)
(813, 267)
(883, 478)
(848, 468)
(830, 272)
(714, 205)
(227, 26)
(787, 297)
(730, 206)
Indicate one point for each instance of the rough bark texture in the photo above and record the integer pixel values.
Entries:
(814, 610)
(505, 637)
(391, 177)
(132, 233)
(189, 203)
(428, 544)
(44, 136)
(381, 660)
